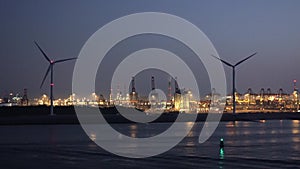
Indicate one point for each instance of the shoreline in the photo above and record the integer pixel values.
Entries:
(39, 115)
(119, 119)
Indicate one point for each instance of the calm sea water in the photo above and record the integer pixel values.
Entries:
(264, 144)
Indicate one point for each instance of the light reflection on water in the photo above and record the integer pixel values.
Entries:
(249, 144)
(133, 130)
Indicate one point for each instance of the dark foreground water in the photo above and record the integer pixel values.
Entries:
(264, 144)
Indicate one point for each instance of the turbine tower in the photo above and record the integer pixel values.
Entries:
(50, 68)
(152, 83)
(233, 76)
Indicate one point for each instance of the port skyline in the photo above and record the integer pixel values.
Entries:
(150, 84)
(272, 31)
(264, 100)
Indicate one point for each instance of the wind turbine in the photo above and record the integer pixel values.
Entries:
(50, 68)
(233, 76)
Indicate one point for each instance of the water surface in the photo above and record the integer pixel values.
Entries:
(263, 144)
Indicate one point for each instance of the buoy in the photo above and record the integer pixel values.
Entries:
(221, 143)
(222, 151)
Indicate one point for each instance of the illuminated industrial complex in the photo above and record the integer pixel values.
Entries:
(181, 100)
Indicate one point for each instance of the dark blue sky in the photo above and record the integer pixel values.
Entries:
(236, 28)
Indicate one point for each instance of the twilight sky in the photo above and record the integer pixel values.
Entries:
(236, 28)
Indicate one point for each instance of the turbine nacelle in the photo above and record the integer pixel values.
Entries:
(233, 76)
(231, 65)
(52, 62)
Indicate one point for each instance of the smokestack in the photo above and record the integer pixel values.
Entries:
(133, 85)
(170, 89)
(280, 91)
(25, 97)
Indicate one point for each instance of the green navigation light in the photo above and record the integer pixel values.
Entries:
(222, 151)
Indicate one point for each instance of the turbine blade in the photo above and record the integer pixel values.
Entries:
(63, 60)
(245, 59)
(42, 51)
(45, 76)
(226, 63)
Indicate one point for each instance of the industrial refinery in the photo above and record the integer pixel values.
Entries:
(181, 100)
